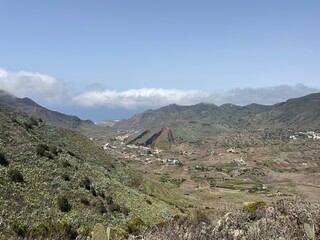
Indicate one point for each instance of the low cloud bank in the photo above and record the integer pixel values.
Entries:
(45, 88)
(134, 98)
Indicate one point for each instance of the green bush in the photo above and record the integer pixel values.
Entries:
(52, 230)
(41, 149)
(33, 121)
(70, 231)
(135, 226)
(48, 155)
(86, 183)
(20, 230)
(165, 177)
(109, 200)
(63, 204)
(66, 164)
(71, 153)
(15, 175)
(101, 208)
(256, 188)
(65, 177)
(44, 150)
(252, 208)
(113, 207)
(85, 201)
(101, 194)
(54, 150)
(93, 192)
(27, 125)
(125, 211)
(3, 160)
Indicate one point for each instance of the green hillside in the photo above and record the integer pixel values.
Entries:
(294, 113)
(56, 183)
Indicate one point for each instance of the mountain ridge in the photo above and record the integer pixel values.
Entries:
(32, 108)
(295, 112)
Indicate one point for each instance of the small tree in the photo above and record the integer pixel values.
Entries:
(63, 204)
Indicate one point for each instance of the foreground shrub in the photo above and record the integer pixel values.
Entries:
(19, 229)
(65, 164)
(48, 155)
(85, 201)
(135, 226)
(15, 175)
(113, 207)
(252, 208)
(101, 208)
(44, 150)
(3, 160)
(93, 192)
(66, 177)
(109, 200)
(63, 204)
(41, 149)
(54, 150)
(86, 183)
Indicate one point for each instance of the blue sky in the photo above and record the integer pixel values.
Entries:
(100, 58)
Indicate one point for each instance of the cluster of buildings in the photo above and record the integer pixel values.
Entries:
(309, 135)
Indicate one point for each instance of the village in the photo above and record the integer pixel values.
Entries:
(302, 135)
(143, 154)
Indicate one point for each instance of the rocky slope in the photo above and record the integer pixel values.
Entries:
(161, 139)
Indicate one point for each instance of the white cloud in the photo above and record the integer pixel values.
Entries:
(159, 97)
(44, 88)
(138, 97)
(34, 85)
